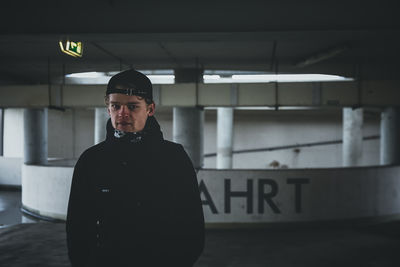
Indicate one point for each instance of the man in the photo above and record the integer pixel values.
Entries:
(134, 198)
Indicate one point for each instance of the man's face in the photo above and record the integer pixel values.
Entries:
(129, 113)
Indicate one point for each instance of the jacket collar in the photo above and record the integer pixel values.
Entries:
(151, 133)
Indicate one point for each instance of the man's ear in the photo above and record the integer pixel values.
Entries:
(151, 109)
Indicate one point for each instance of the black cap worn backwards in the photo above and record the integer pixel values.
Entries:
(130, 82)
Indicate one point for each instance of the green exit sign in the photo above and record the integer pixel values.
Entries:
(71, 48)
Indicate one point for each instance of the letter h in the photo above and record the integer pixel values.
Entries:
(247, 194)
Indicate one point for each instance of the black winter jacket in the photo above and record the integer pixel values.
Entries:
(135, 204)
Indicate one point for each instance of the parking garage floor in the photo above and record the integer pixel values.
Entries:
(43, 243)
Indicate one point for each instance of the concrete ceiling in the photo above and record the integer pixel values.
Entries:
(358, 39)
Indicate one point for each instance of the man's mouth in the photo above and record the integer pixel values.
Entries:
(124, 123)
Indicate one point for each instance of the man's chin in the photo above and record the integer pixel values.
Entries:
(125, 128)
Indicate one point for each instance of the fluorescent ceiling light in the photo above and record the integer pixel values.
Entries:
(92, 74)
(244, 108)
(156, 78)
(162, 79)
(211, 77)
(267, 78)
(103, 78)
(264, 108)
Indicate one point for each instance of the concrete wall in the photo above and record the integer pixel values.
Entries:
(165, 121)
(254, 196)
(10, 163)
(14, 133)
(271, 129)
(260, 129)
(10, 171)
(70, 132)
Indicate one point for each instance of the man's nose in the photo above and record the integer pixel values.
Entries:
(123, 111)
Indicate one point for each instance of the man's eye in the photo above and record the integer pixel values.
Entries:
(115, 106)
(132, 107)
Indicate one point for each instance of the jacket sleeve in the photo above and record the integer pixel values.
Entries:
(188, 225)
(77, 221)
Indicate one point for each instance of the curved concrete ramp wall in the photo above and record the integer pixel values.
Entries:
(45, 190)
(248, 196)
(253, 196)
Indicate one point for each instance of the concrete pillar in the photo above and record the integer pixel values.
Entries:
(188, 124)
(352, 136)
(100, 122)
(35, 135)
(224, 138)
(390, 136)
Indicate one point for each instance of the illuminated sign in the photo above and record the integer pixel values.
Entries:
(74, 49)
